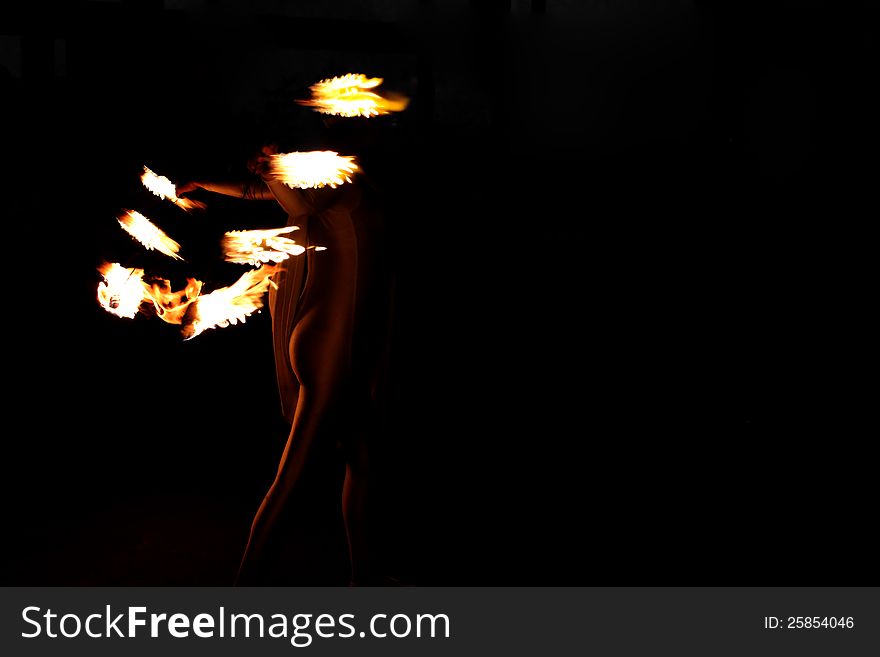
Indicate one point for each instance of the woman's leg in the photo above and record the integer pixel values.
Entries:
(319, 355)
(356, 507)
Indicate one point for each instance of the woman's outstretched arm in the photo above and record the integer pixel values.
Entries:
(263, 187)
(254, 190)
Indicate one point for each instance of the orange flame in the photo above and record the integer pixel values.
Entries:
(252, 247)
(171, 306)
(165, 189)
(352, 95)
(312, 169)
(148, 234)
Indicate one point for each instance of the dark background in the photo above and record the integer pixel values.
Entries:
(628, 332)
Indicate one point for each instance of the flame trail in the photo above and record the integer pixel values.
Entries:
(252, 247)
(122, 291)
(312, 168)
(228, 305)
(148, 234)
(353, 94)
(165, 189)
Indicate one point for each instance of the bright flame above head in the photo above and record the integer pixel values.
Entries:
(352, 95)
(122, 291)
(228, 305)
(165, 189)
(148, 234)
(312, 169)
(253, 247)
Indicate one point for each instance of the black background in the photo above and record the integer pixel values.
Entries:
(628, 338)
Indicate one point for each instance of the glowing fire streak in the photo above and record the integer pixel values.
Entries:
(165, 189)
(228, 305)
(252, 247)
(352, 95)
(122, 291)
(148, 234)
(312, 169)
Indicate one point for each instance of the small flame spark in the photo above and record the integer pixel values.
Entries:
(352, 95)
(122, 291)
(165, 189)
(148, 234)
(228, 305)
(312, 169)
(253, 247)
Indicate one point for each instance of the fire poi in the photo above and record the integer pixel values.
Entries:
(353, 94)
(148, 234)
(122, 290)
(165, 189)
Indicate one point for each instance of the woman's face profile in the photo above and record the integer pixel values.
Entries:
(259, 162)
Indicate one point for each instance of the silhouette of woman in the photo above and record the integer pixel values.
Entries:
(329, 324)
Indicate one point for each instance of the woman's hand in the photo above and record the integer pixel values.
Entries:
(184, 188)
(188, 203)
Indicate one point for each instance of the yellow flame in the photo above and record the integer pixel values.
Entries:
(350, 95)
(253, 247)
(228, 305)
(165, 189)
(312, 169)
(122, 291)
(148, 234)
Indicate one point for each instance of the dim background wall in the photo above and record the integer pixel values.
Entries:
(628, 245)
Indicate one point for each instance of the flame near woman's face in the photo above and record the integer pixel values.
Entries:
(312, 169)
